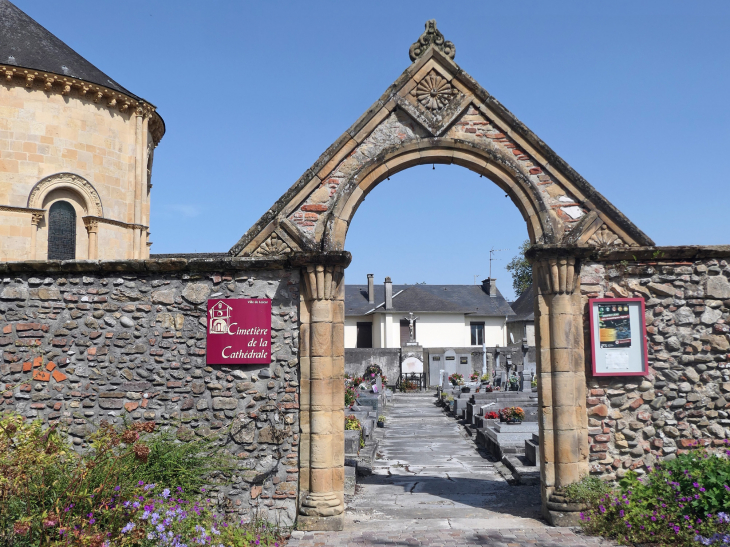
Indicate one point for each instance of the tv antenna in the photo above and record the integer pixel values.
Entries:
(491, 257)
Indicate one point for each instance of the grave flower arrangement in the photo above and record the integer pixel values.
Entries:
(456, 379)
(474, 377)
(512, 414)
(372, 372)
(352, 423)
(485, 378)
(491, 415)
(408, 385)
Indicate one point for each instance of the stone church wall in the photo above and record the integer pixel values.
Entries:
(683, 402)
(85, 341)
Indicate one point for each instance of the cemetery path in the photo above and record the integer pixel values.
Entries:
(430, 474)
(432, 488)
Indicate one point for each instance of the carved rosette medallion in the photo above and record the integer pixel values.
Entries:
(434, 92)
(604, 237)
(273, 246)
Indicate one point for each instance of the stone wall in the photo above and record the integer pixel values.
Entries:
(358, 359)
(84, 342)
(683, 402)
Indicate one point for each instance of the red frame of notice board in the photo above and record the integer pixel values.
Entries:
(644, 349)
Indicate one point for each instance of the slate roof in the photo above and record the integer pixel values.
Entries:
(524, 307)
(25, 43)
(469, 299)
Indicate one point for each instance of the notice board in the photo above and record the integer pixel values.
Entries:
(618, 336)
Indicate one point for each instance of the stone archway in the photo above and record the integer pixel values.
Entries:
(436, 113)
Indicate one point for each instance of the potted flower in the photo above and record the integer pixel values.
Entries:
(474, 377)
(381, 421)
(491, 415)
(512, 415)
(485, 378)
(533, 384)
(456, 379)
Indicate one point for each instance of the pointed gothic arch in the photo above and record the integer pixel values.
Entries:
(436, 113)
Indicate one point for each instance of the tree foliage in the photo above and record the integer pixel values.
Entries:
(521, 270)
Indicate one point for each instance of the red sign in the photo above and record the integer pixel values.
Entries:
(239, 331)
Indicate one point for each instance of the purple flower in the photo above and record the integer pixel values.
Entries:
(166, 493)
(128, 528)
(116, 488)
(92, 521)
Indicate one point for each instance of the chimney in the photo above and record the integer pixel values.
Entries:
(388, 294)
(489, 286)
(371, 289)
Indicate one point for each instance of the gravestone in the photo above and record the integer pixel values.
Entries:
(412, 365)
(450, 361)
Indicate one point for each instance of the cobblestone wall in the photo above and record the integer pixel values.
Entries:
(683, 402)
(78, 349)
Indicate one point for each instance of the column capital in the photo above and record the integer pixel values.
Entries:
(323, 282)
(37, 218)
(91, 224)
(556, 275)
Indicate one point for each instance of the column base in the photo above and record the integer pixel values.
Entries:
(335, 523)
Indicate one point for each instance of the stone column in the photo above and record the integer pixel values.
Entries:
(35, 220)
(561, 373)
(322, 360)
(92, 228)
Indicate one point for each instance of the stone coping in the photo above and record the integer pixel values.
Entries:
(180, 264)
(651, 254)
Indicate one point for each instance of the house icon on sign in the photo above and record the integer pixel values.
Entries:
(220, 316)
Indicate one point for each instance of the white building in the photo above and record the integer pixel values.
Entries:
(521, 326)
(447, 315)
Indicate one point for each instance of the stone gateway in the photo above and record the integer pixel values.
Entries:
(84, 340)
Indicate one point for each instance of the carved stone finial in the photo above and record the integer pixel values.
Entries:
(431, 37)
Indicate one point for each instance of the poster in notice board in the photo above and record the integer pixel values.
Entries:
(618, 336)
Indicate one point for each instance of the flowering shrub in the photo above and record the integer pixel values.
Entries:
(456, 379)
(680, 502)
(491, 415)
(52, 495)
(512, 413)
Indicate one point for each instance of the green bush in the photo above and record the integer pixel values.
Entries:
(589, 489)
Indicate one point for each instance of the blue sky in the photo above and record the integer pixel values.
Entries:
(633, 95)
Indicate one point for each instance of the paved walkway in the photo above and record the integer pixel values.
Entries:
(431, 487)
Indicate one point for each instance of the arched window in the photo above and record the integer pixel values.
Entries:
(62, 231)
